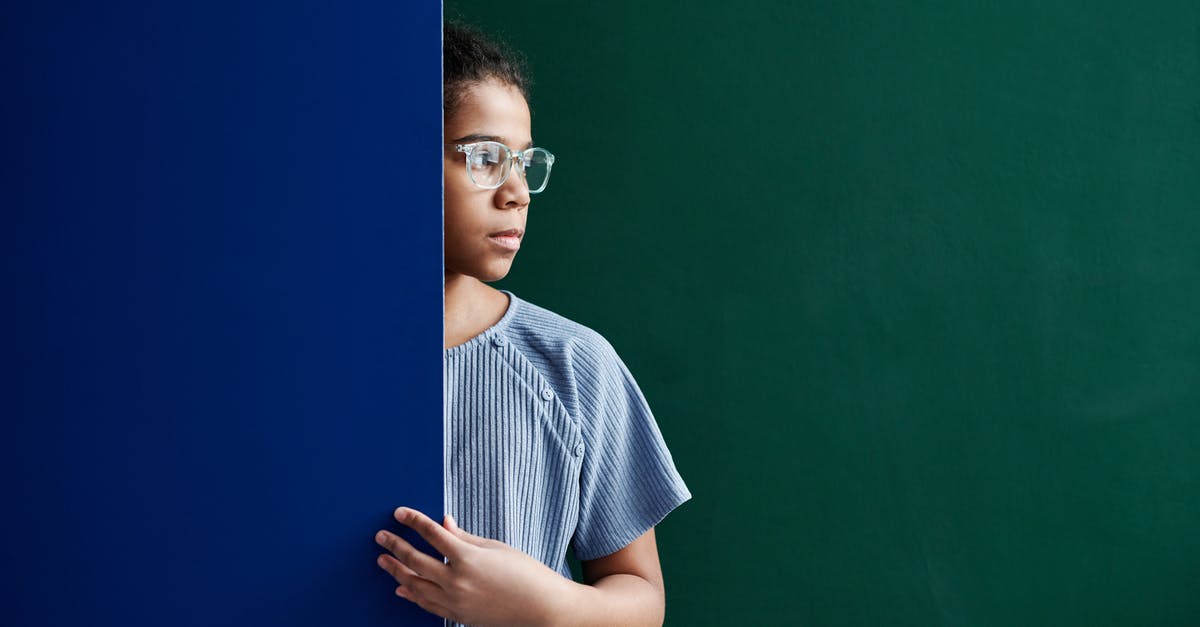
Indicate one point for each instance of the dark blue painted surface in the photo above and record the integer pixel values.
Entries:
(222, 343)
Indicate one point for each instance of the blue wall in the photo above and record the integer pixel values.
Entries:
(223, 309)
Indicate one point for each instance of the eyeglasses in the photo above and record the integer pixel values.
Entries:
(489, 162)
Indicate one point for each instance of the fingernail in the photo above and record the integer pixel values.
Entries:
(380, 536)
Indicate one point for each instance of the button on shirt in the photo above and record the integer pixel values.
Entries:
(550, 442)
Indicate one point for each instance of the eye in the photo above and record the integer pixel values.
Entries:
(484, 157)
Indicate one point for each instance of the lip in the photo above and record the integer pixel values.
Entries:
(508, 240)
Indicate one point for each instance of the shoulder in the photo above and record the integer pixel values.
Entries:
(552, 335)
(577, 360)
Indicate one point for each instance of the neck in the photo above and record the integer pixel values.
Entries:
(460, 292)
(470, 307)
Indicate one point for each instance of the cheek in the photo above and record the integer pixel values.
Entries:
(464, 217)
(456, 205)
(452, 221)
(460, 193)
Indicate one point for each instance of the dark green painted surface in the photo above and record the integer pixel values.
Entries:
(913, 288)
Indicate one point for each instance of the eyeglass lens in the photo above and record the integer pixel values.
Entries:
(489, 164)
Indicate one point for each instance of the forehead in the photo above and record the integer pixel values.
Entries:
(494, 109)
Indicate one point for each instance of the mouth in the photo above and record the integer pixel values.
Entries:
(509, 240)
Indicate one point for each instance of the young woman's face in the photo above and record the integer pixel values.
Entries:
(484, 227)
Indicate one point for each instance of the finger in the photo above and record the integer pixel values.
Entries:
(416, 585)
(397, 570)
(423, 564)
(438, 537)
(424, 593)
(421, 588)
(423, 603)
(452, 525)
(462, 534)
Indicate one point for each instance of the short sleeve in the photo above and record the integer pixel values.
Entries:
(628, 480)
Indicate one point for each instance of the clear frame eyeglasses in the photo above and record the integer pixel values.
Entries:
(489, 164)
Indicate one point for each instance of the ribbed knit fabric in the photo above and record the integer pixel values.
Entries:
(549, 442)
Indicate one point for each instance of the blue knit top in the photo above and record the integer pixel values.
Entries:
(549, 442)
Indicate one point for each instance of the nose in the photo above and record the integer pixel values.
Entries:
(514, 193)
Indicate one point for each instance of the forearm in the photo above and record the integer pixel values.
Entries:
(619, 599)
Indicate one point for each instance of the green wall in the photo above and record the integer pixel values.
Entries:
(913, 289)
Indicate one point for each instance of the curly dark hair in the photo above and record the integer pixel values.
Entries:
(469, 56)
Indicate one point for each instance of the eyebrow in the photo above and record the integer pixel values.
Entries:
(478, 137)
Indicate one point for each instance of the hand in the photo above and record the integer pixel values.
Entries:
(483, 582)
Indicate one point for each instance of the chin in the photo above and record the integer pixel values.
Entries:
(494, 272)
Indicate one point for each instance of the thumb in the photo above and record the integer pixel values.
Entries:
(452, 526)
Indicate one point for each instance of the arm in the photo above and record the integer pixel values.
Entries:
(625, 588)
(485, 582)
